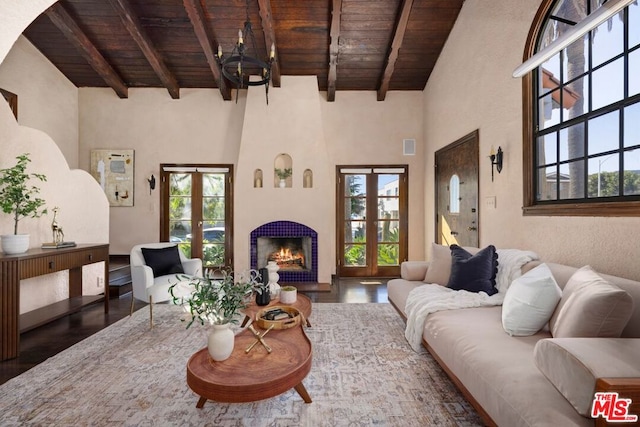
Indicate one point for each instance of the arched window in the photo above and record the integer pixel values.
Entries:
(582, 115)
(454, 194)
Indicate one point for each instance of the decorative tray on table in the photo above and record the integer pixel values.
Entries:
(281, 317)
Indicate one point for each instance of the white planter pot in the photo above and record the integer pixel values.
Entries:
(14, 243)
(288, 297)
(221, 341)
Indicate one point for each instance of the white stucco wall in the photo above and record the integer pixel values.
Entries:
(200, 127)
(472, 88)
(83, 207)
(47, 100)
(361, 130)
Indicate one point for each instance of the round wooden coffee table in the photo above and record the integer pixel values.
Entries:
(257, 375)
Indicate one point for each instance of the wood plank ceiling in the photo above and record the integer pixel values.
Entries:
(372, 45)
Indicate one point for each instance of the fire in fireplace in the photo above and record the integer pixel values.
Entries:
(292, 245)
(289, 253)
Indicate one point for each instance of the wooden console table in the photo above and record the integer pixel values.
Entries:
(38, 262)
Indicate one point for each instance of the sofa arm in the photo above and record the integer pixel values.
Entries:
(575, 365)
(414, 270)
(627, 388)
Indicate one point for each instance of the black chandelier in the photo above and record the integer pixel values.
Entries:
(236, 66)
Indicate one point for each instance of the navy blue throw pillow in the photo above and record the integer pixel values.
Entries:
(474, 273)
(163, 261)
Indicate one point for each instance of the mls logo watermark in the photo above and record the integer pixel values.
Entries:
(612, 408)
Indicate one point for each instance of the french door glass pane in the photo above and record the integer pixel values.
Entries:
(355, 255)
(355, 231)
(388, 254)
(213, 218)
(180, 210)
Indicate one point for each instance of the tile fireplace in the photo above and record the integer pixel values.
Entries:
(293, 246)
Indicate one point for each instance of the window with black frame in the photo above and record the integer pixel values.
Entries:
(586, 112)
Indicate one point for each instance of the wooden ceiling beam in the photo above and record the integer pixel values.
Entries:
(68, 26)
(134, 27)
(334, 33)
(270, 38)
(205, 38)
(398, 36)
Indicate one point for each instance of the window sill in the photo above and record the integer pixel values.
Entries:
(584, 209)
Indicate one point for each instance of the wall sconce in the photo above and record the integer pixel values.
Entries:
(152, 183)
(496, 160)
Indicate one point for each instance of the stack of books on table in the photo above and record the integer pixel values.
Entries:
(52, 245)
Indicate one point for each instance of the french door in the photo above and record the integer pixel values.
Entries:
(371, 220)
(197, 211)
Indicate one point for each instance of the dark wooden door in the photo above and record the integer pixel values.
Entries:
(457, 192)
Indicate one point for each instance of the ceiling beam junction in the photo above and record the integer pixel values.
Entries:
(134, 27)
(269, 38)
(334, 33)
(68, 26)
(398, 36)
(203, 33)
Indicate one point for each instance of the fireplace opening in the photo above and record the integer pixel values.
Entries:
(290, 253)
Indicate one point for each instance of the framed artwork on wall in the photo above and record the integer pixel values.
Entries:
(113, 169)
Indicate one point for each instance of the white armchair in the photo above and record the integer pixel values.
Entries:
(152, 289)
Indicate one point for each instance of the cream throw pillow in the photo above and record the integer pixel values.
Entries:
(530, 302)
(440, 266)
(439, 269)
(591, 307)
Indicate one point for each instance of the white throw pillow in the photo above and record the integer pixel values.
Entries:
(530, 302)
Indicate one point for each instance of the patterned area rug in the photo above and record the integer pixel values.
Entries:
(364, 373)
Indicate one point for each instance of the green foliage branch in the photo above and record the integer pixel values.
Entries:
(17, 197)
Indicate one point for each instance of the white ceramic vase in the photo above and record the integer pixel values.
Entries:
(221, 341)
(274, 287)
(283, 183)
(14, 243)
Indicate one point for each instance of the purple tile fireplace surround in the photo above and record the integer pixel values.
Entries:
(287, 229)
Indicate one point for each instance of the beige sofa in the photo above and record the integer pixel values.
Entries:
(501, 375)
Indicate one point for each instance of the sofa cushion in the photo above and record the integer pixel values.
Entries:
(163, 261)
(530, 301)
(474, 273)
(498, 370)
(591, 307)
(573, 365)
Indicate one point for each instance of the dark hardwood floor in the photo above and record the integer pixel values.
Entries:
(45, 341)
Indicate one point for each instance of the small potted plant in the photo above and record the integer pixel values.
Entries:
(288, 294)
(216, 299)
(283, 174)
(19, 199)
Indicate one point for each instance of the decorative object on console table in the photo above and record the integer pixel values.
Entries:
(58, 235)
(288, 294)
(20, 200)
(216, 300)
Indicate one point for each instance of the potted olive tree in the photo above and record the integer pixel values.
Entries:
(19, 199)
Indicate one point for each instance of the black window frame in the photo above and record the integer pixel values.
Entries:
(619, 205)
